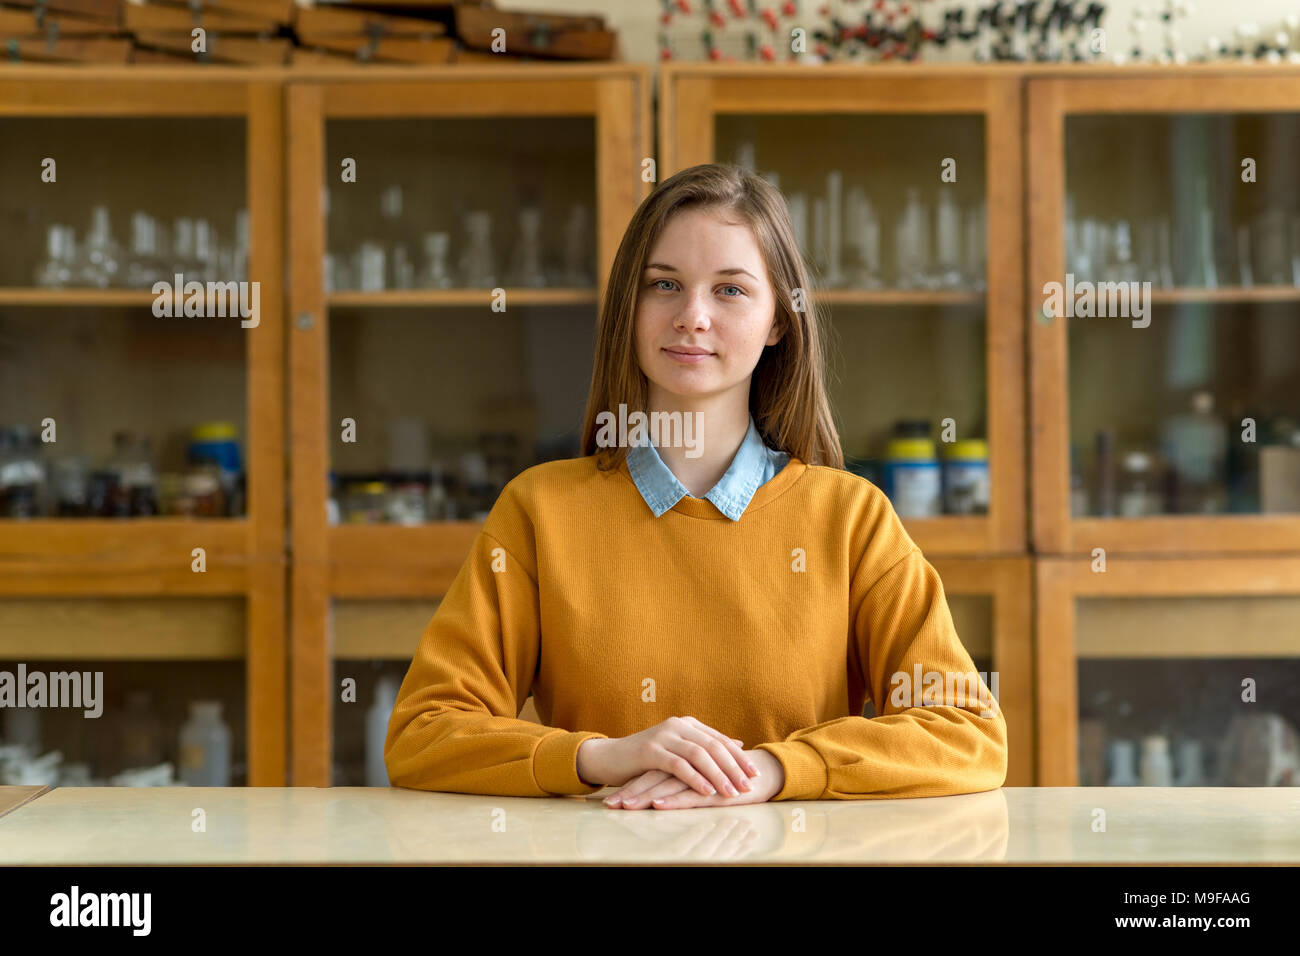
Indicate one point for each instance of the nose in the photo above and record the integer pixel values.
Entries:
(694, 313)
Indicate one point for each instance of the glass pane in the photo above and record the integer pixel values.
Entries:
(373, 642)
(896, 374)
(451, 404)
(100, 411)
(1166, 700)
(170, 708)
(1190, 200)
(1184, 394)
(127, 201)
(1198, 413)
(869, 201)
(461, 203)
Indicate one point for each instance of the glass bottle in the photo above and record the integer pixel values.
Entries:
(205, 746)
(435, 274)
(144, 267)
(100, 254)
(477, 267)
(23, 481)
(1139, 491)
(390, 237)
(863, 230)
(1157, 767)
(132, 465)
(948, 239)
(60, 257)
(578, 231)
(1195, 446)
(71, 492)
(1122, 268)
(1123, 764)
(976, 246)
(205, 250)
(183, 256)
(141, 732)
(526, 266)
(239, 265)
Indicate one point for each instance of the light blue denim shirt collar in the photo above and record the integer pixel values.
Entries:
(754, 465)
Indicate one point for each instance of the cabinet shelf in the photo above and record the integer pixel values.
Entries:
(900, 297)
(1228, 294)
(460, 297)
(35, 295)
(126, 556)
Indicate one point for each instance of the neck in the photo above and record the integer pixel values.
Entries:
(721, 426)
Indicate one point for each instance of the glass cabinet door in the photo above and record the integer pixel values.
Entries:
(1162, 672)
(141, 406)
(124, 691)
(1166, 272)
(454, 236)
(902, 195)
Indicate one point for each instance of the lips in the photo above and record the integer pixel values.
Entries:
(688, 355)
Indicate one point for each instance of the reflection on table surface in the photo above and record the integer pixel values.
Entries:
(372, 825)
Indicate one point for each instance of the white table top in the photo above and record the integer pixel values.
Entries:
(118, 825)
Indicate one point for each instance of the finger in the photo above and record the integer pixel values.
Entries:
(687, 799)
(736, 780)
(685, 770)
(636, 790)
(665, 788)
(735, 747)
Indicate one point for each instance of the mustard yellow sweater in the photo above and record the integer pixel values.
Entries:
(773, 629)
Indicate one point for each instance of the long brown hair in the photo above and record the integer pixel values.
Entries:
(787, 395)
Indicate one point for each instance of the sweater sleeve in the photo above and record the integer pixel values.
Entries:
(455, 725)
(927, 740)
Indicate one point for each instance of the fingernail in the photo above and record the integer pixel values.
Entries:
(659, 801)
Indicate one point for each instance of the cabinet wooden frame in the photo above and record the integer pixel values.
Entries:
(71, 558)
(691, 95)
(1051, 99)
(387, 561)
(1009, 582)
(1061, 581)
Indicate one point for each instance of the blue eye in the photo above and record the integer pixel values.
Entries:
(736, 287)
(656, 282)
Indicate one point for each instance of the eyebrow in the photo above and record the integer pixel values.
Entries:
(721, 272)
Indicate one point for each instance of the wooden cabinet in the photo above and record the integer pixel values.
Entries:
(1174, 647)
(364, 191)
(427, 365)
(1188, 184)
(126, 596)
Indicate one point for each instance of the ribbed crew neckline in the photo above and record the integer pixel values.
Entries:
(703, 508)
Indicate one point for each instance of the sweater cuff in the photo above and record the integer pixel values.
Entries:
(805, 771)
(555, 763)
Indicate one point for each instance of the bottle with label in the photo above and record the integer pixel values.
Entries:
(966, 477)
(377, 731)
(205, 746)
(912, 477)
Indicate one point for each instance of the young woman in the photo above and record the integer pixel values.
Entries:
(699, 611)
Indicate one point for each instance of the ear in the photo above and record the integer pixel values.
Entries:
(778, 330)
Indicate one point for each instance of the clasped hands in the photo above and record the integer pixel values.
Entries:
(677, 764)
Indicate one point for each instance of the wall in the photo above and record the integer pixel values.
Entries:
(638, 20)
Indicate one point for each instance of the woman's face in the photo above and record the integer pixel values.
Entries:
(704, 311)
